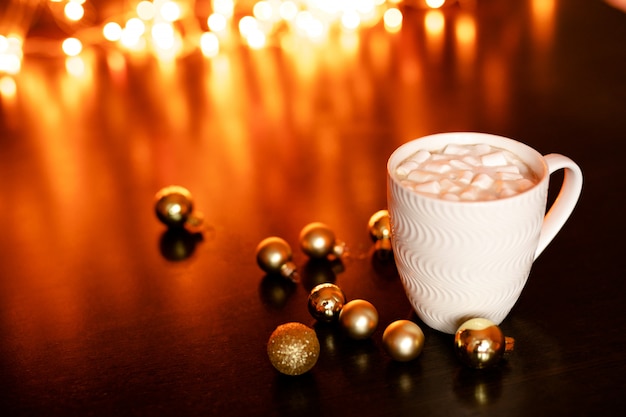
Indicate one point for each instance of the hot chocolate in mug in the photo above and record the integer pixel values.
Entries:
(468, 219)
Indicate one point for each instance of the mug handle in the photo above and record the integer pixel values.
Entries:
(566, 200)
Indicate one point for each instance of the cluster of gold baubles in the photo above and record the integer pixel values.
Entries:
(292, 352)
(293, 348)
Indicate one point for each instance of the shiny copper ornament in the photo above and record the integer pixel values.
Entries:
(273, 255)
(359, 319)
(379, 228)
(174, 207)
(318, 241)
(403, 340)
(293, 348)
(325, 302)
(479, 343)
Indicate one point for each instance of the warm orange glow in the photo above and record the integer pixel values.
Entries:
(8, 87)
(543, 8)
(465, 36)
(392, 20)
(74, 11)
(262, 10)
(465, 31)
(209, 44)
(434, 22)
(256, 39)
(217, 22)
(72, 46)
(224, 7)
(112, 32)
(288, 10)
(163, 35)
(146, 10)
(170, 11)
(543, 12)
(141, 25)
(350, 20)
(75, 66)
(435, 4)
(10, 54)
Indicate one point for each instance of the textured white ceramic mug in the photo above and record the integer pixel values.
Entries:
(464, 259)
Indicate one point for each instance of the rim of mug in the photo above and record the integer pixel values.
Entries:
(469, 138)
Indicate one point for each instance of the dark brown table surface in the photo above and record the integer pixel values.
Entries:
(102, 313)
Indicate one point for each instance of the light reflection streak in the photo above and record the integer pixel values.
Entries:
(435, 25)
(543, 24)
(465, 37)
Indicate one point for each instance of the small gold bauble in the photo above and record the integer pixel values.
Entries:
(173, 205)
(479, 343)
(273, 255)
(403, 340)
(318, 241)
(293, 348)
(359, 319)
(379, 226)
(325, 302)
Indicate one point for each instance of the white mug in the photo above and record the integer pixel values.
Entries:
(466, 259)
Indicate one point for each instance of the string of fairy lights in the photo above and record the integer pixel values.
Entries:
(169, 29)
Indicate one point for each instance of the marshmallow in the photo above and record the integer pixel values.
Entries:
(406, 167)
(453, 149)
(431, 187)
(483, 181)
(482, 149)
(494, 159)
(458, 164)
(471, 194)
(418, 176)
(509, 176)
(439, 167)
(449, 186)
(471, 160)
(421, 156)
(465, 177)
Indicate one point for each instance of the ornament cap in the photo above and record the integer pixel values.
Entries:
(289, 270)
(509, 345)
(339, 249)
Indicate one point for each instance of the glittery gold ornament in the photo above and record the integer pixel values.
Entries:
(403, 340)
(318, 241)
(479, 343)
(359, 319)
(273, 255)
(379, 228)
(325, 302)
(293, 348)
(174, 208)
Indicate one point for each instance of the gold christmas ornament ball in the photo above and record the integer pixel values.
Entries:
(273, 255)
(359, 319)
(403, 340)
(173, 205)
(293, 348)
(318, 241)
(379, 226)
(325, 302)
(479, 343)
